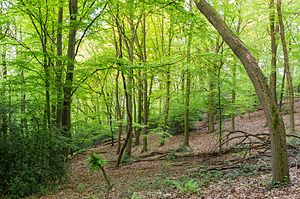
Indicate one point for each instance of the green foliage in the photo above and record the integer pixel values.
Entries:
(134, 196)
(189, 186)
(127, 159)
(294, 139)
(96, 162)
(171, 156)
(31, 162)
(205, 178)
(89, 134)
(176, 115)
(271, 184)
(80, 187)
(249, 169)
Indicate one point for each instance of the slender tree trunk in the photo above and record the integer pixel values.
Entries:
(186, 143)
(59, 67)
(273, 49)
(119, 114)
(129, 122)
(286, 66)
(280, 168)
(145, 91)
(233, 77)
(211, 99)
(168, 88)
(66, 115)
(129, 93)
(233, 97)
(282, 90)
(4, 127)
(146, 108)
(24, 124)
(220, 108)
(119, 54)
(108, 104)
(128, 86)
(139, 109)
(47, 110)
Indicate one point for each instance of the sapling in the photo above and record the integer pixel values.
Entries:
(98, 162)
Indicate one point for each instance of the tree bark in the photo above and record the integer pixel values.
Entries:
(146, 108)
(66, 115)
(59, 67)
(129, 122)
(145, 99)
(186, 143)
(4, 127)
(166, 108)
(211, 99)
(273, 49)
(280, 169)
(286, 67)
(119, 114)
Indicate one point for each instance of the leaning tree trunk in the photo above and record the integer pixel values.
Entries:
(286, 66)
(280, 169)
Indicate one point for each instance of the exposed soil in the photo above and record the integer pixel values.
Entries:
(138, 175)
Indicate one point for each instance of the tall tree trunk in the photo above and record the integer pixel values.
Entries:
(286, 66)
(282, 90)
(233, 97)
(146, 108)
(119, 54)
(47, 110)
(24, 124)
(220, 108)
(211, 99)
(273, 48)
(233, 75)
(280, 168)
(128, 86)
(145, 91)
(139, 109)
(186, 143)
(4, 127)
(119, 114)
(129, 122)
(66, 115)
(168, 87)
(59, 67)
(129, 91)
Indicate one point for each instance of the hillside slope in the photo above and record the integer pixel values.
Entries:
(154, 174)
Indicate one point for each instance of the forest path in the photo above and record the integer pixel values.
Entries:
(136, 176)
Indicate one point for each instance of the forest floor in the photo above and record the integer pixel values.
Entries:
(164, 173)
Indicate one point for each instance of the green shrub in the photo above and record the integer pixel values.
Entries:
(189, 186)
(98, 162)
(90, 134)
(31, 162)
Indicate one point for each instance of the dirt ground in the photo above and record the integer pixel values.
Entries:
(131, 177)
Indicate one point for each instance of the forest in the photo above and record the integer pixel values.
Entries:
(149, 99)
